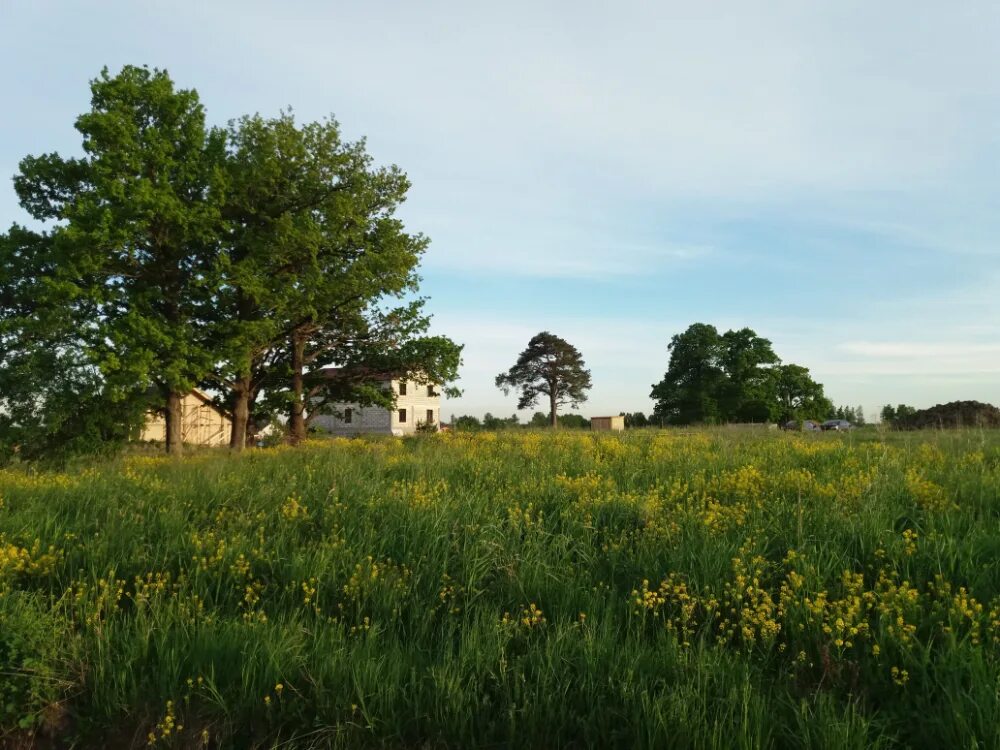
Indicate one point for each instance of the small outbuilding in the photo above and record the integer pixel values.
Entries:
(202, 423)
(616, 424)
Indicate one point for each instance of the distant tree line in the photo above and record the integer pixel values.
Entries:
(174, 255)
(942, 416)
(853, 414)
(467, 423)
(635, 419)
(896, 416)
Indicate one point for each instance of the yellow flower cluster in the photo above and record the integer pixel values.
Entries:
(526, 518)
(532, 617)
(926, 494)
(681, 611)
(842, 619)
(15, 559)
(749, 612)
(371, 574)
(293, 509)
(421, 493)
(450, 595)
(165, 727)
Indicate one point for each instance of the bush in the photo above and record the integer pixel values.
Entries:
(953, 414)
(30, 642)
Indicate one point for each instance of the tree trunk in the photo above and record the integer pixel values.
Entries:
(253, 425)
(175, 422)
(297, 419)
(251, 438)
(241, 414)
(553, 418)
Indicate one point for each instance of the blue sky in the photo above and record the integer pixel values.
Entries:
(826, 173)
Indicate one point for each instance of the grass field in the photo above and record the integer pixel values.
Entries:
(657, 589)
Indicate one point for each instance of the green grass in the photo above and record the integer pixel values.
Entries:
(700, 589)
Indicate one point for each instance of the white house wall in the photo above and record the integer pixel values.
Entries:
(375, 420)
(365, 420)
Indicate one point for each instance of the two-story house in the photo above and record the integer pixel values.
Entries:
(416, 404)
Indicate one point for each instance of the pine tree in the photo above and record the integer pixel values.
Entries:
(549, 367)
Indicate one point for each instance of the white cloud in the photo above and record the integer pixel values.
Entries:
(921, 350)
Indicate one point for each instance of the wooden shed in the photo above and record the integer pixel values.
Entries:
(607, 423)
(203, 423)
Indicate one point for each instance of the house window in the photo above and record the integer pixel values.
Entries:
(430, 416)
(402, 387)
(402, 416)
(347, 416)
(431, 391)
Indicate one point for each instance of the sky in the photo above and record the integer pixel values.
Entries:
(826, 173)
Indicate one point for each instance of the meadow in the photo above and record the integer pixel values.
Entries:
(701, 589)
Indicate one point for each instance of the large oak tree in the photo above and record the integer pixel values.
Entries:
(176, 255)
(732, 377)
(135, 223)
(313, 260)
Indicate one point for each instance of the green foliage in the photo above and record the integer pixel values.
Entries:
(798, 395)
(897, 416)
(574, 421)
(138, 217)
(733, 377)
(53, 401)
(538, 419)
(853, 414)
(689, 390)
(638, 419)
(314, 253)
(133, 226)
(549, 367)
(946, 416)
(34, 661)
(176, 255)
(466, 423)
(499, 423)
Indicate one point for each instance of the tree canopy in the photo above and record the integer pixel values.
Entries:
(313, 254)
(732, 377)
(549, 367)
(174, 255)
(133, 226)
(944, 416)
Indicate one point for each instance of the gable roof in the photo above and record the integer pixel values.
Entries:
(197, 393)
(361, 373)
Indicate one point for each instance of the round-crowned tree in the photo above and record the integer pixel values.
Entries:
(550, 367)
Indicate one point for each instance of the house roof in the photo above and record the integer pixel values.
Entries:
(198, 394)
(206, 399)
(361, 373)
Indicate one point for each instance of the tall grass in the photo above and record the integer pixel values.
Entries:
(656, 589)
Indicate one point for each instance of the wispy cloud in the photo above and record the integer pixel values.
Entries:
(916, 349)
